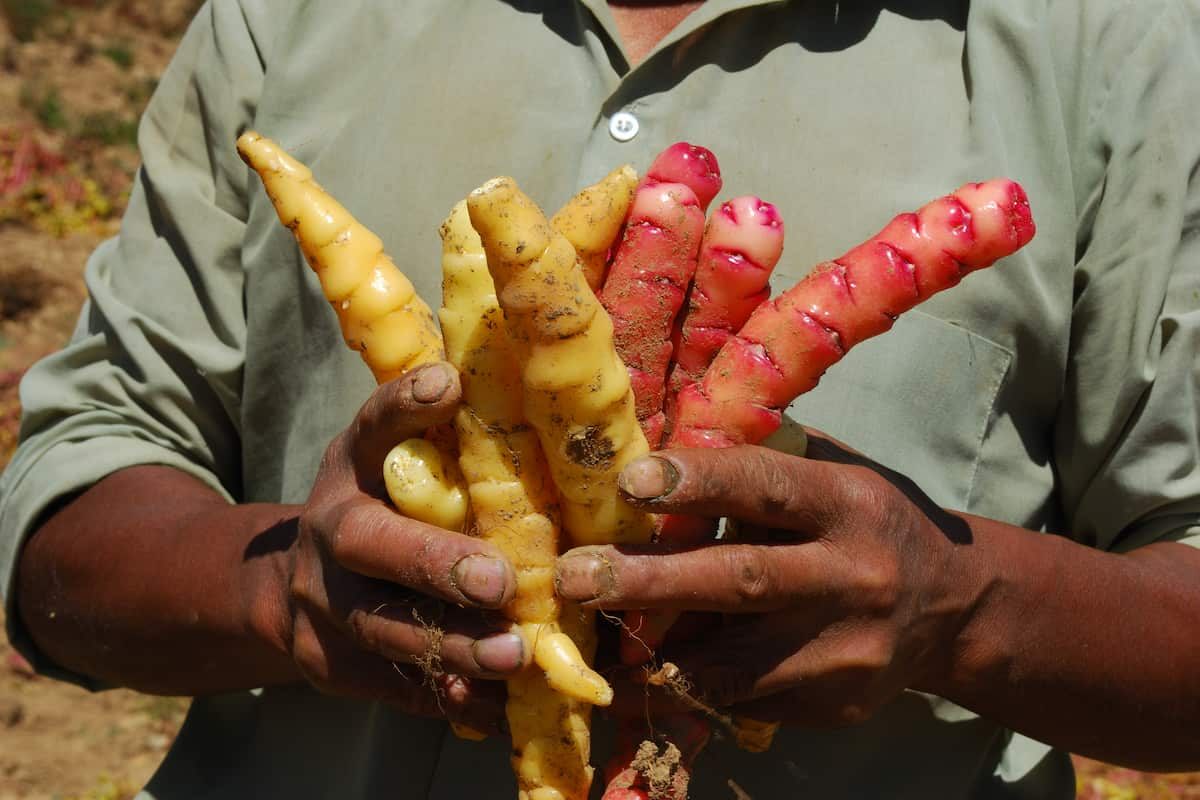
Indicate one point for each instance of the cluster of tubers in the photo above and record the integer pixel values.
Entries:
(627, 321)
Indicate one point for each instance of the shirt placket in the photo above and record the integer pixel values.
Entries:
(623, 130)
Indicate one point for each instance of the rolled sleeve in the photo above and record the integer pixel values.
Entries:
(153, 372)
(1128, 442)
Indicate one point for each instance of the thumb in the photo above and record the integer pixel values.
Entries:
(749, 483)
(404, 408)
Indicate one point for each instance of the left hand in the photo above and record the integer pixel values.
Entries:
(841, 587)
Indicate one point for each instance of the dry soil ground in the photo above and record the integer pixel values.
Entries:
(73, 76)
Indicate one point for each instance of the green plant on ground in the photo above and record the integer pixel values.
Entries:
(58, 188)
(25, 17)
(138, 92)
(108, 128)
(120, 53)
(50, 111)
(46, 105)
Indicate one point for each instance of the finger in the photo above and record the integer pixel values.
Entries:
(402, 409)
(754, 484)
(334, 666)
(837, 670)
(436, 639)
(400, 625)
(373, 540)
(750, 657)
(730, 578)
(455, 643)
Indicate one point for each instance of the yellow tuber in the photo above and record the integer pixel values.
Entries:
(380, 314)
(520, 478)
(515, 506)
(427, 484)
(593, 218)
(576, 390)
(379, 310)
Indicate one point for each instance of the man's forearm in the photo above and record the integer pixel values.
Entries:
(151, 580)
(1090, 651)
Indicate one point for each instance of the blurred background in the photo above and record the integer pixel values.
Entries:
(74, 78)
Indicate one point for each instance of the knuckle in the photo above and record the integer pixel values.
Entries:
(857, 676)
(749, 570)
(305, 586)
(336, 452)
(865, 655)
(862, 490)
(368, 416)
(308, 654)
(775, 498)
(877, 584)
(366, 628)
(776, 493)
(329, 470)
(352, 533)
(876, 499)
(340, 538)
(302, 591)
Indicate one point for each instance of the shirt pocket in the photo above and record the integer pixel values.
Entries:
(919, 399)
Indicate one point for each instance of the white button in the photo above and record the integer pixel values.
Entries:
(623, 126)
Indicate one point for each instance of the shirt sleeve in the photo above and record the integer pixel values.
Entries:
(152, 373)
(1127, 438)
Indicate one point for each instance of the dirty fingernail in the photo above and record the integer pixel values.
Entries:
(503, 653)
(481, 579)
(431, 384)
(583, 576)
(648, 477)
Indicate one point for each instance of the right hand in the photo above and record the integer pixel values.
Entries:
(385, 607)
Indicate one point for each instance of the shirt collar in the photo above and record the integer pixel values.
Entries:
(704, 15)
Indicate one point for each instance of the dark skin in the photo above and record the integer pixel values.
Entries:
(846, 588)
(198, 596)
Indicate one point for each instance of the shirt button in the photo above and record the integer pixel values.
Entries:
(623, 126)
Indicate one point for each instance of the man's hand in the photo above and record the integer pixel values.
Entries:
(374, 593)
(845, 585)
(835, 587)
(151, 579)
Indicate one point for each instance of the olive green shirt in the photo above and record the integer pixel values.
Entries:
(1057, 391)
